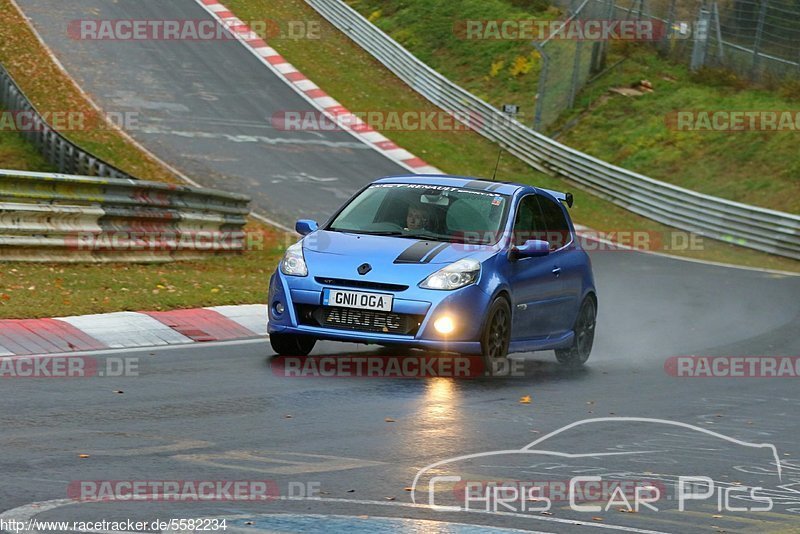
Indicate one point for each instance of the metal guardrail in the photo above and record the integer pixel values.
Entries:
(749, 226)
(55, 217)
(59, 151)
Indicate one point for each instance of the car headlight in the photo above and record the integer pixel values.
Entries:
(293, 262)
(457, 274)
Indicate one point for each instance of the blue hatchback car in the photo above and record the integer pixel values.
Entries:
(443, 263)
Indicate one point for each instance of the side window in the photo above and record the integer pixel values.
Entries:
(527, 221)
(555, 227)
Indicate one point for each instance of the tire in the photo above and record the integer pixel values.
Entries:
(496, 335)
(584, 328)
(291, 344)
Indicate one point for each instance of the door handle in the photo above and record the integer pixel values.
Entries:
(557, 271)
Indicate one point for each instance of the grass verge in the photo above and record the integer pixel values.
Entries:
(31, 290)
(17, 154)
(754, 167)
(359, 82)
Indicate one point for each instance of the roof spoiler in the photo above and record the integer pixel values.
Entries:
(566, 198)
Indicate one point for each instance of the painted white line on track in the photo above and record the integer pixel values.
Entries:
(581, 228)
(319, 103)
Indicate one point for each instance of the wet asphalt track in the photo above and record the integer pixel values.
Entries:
(219, 412)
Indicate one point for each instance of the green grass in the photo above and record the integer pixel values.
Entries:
(759, 168)
(17, 154)
(359, 82)
(484, 67)
(30, 290)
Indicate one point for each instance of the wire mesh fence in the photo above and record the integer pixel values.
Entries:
(756, 39)
(567, 62)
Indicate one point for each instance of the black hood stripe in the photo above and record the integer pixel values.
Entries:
(415, 252)
(435, 252)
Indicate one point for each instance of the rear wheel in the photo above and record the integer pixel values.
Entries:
(578, 353)
(496, 335)
(291, 344)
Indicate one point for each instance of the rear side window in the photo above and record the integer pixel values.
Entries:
(555, 226)
(528, 220)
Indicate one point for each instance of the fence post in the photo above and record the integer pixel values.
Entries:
(700, 39)
(665, 41)
(718, 25)
(541, 87)
(762, 14)
(576, 67)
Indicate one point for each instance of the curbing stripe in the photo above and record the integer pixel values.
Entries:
(126, 329)
(251, 316)
(330, 107)
(202, 325)
(36, 336)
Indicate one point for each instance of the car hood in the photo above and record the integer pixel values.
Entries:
(343, 253)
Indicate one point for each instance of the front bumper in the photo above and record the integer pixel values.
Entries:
(466, 306)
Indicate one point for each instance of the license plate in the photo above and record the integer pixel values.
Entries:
(357, 299)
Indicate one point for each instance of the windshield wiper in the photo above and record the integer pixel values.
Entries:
(365, 232)
(427, 237)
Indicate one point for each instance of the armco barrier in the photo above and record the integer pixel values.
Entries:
(60, 152)
(749, 226)
(55, 217)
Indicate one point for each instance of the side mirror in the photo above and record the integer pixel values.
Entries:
(305, 226)
(533, 248)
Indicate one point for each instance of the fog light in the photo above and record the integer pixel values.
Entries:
(444, 325)
(278, 307)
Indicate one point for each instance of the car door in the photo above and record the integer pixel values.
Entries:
(535, 287)
(567, 262)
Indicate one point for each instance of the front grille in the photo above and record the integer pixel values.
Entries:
(361, 284)
(359, 320)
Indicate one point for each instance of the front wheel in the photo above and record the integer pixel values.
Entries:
(496, 335)
(578, 353)
(291, 344)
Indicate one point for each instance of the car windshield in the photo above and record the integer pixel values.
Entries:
(438, 213)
